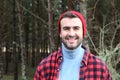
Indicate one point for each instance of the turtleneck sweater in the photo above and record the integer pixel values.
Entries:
(70, 66)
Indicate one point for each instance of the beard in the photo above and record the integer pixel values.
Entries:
(71, 42)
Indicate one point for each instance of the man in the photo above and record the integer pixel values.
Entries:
(72, 61)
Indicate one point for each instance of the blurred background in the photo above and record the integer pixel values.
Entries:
(28, 33)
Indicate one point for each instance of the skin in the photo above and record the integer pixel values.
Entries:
(71, 32)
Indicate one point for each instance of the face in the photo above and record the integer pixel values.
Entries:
(71, 32)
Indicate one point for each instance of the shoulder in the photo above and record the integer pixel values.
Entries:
(47, 64)
(50, 59)
(96, 61)
(97, 65)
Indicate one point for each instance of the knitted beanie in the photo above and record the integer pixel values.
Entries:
(77, 14)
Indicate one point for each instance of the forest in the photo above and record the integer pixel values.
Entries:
(28, 33)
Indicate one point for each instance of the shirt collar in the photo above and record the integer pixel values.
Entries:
(84, 60)
(72, 54)
(59, 53)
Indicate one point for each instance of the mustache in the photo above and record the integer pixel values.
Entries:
(71, 37)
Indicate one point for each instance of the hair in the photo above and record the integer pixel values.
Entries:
(69, 15)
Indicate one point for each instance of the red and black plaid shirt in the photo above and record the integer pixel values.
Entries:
(92, 68)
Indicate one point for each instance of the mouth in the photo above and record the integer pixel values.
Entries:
(71, 40)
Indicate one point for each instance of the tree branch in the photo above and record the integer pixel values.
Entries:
(42, 20)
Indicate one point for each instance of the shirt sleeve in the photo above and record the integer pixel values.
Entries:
(37, 75)
(107, 74)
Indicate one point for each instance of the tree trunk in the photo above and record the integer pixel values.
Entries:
(84, 12)
(33, 36)
(14, 43)
(1, 56)
(27, 41)
(50, 26)
(93, 20)
(38, 54)
(33, 47)
(22, 40)
(7, 41)
(6, 58)
(113, 24)
(27, 32)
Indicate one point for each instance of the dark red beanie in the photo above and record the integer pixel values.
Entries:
(77, 14)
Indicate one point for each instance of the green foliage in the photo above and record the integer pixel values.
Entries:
(112, 59)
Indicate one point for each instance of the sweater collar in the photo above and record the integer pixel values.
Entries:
(72, 54)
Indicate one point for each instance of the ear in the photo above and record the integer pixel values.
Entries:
(60, 35)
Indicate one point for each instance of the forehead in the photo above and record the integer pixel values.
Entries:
(71, 22)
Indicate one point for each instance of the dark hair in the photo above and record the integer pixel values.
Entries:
(69, 15)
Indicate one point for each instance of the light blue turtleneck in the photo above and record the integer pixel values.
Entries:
(71, 63)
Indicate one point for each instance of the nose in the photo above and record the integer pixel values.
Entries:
(71, 32)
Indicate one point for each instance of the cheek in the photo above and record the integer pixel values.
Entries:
(63, 34)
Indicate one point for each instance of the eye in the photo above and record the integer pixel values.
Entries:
(76, 28)
(66, 28)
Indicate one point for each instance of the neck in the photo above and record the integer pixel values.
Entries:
(71, 54)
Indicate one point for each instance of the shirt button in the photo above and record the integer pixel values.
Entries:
(61, 58)
(58, 69)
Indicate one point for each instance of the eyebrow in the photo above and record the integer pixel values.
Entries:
(67, 27)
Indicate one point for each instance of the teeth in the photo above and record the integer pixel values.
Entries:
(71, 37)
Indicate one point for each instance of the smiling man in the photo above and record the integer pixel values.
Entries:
(71, 32)
(72, 61)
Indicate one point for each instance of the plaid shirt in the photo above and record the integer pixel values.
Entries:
(92, 68)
